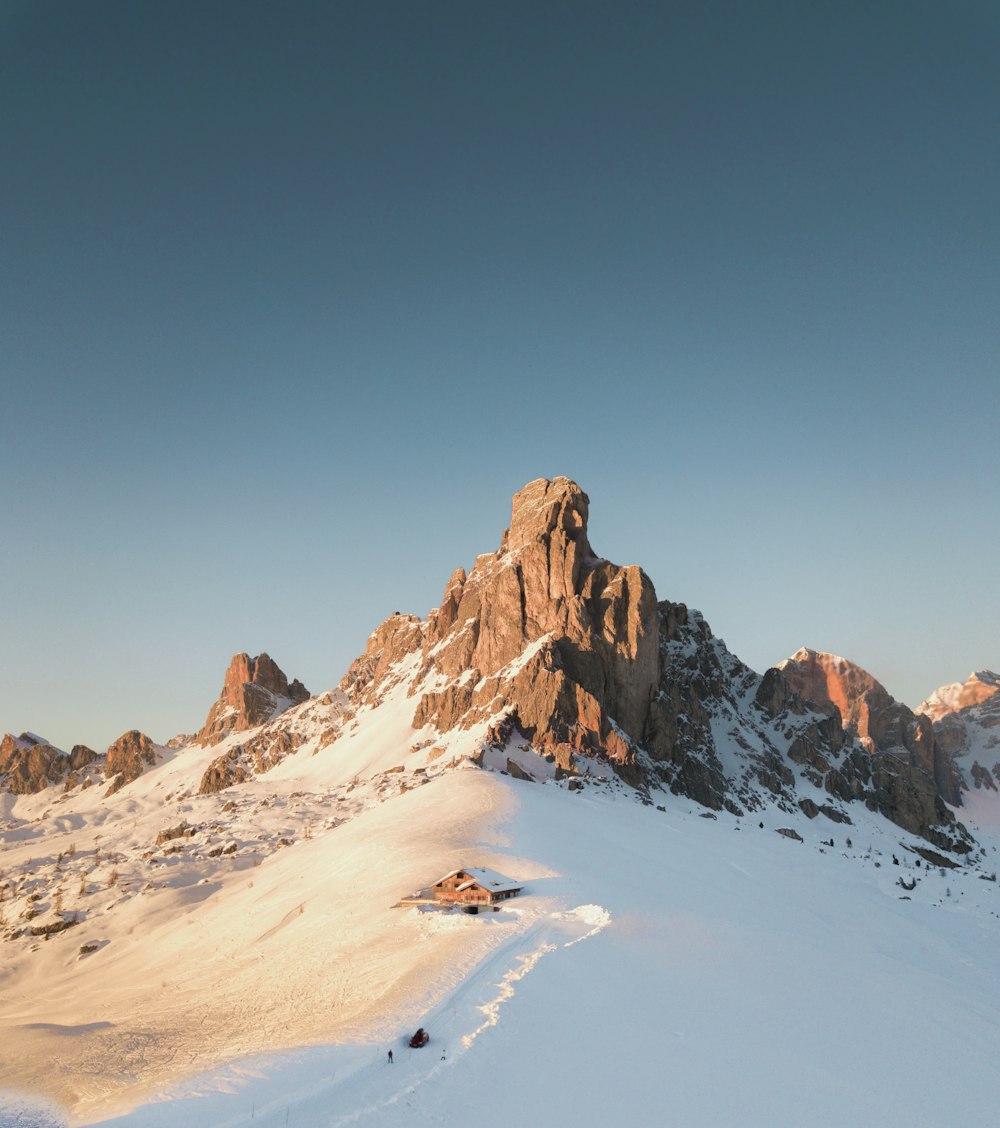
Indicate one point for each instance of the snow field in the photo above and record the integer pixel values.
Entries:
(701, 971)
(660, 964)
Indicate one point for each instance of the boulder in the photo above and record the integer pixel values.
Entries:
(515, 770)
(788, 832)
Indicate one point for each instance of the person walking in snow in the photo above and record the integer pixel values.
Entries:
(390, 1057)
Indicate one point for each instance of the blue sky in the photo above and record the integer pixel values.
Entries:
(293, 297)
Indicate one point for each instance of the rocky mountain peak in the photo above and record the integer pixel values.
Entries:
(254, 690)
(829, 681)
(28, 763)
(977, 688)
(262, 671)
(871, 714)
(11, 744)
(540, 635)
(128, 758)
(545, 507)
(545, 646)
(966, 719)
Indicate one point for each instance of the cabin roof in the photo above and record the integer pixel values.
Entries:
(487, 878)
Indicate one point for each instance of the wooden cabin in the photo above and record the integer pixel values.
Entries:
(474, 888)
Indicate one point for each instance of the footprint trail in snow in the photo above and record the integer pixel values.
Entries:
(558, 930)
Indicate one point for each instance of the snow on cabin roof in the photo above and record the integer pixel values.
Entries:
(487, 878)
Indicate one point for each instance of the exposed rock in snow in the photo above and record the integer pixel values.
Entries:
(255, 690)
(977, 688)
(127, 758)
(546, 639)
(966, 717)
(871, 714)
(29, 764)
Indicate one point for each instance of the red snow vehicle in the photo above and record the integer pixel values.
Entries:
(421, 1038)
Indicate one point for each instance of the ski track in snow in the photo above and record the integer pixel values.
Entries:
(491, 1010)
(568, 921)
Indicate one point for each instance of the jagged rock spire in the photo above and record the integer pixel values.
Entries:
(254, 691)
(545, 639)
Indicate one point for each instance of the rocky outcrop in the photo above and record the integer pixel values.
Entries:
(28, 764)
(542, 631)
(128, 758)
(243, 761)
(546, 642)
(10, 745)
(966, 719)
(376, 670)
(978, 688)
(869, 713)
(831, 757)
(255, 690)
(81, 757)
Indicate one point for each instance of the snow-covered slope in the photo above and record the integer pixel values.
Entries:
(161, 928)
(711, 968)
(643, 933)
(209, 932)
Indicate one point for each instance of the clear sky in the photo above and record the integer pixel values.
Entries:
(294, 296)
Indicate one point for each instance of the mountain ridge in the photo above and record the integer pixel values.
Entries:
(546, 643)
(147, 899)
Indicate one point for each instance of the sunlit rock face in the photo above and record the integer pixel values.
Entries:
(255, 690)
(966, 718)
(872, 715)
(128, 758)
(547, 641)
(978, 688)
(28, 764)
(542, 635)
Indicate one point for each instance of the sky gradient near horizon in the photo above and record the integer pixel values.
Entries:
(293, 297)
